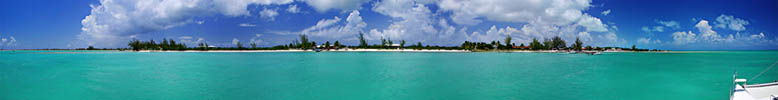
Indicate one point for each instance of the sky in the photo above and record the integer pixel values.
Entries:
(653, 24)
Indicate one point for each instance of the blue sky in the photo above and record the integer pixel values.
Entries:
(660, 24)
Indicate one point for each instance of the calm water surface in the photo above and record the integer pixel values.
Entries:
(80, 75)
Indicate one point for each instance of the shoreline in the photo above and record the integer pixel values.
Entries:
(299, 50)
(403, 50)
(377, 50)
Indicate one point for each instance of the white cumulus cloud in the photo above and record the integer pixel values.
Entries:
(246, 25)
(235, 41)
(293, 9)
(681, 38)
(555, 12)
(670, 24)
(415, 21)
(111, 22)
(730, 22)
(325, 5)
(256, 39)
(645, 40)
(191, 41)
(270, 14)
(330, 29)
(652, 29)
(8, 41)
(606, 12)
(707, 33)
(324, 23)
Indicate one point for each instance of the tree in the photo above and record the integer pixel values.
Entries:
(402, 43)
(390, 41)
(633, 47)
(239, 45)
(337, 44)
(548, 44)
(313, 44)
(508, 42)
(589, 48)
(383, 42)
(253, 45)
(164, 45)
(558, 43)
(304, 42)
(206, 45)
(90, 48)
(151, 44)
(578, 44)
(362, 41)
(327, 44)
(419, 45)
(536, 45)
(170, 45)
(135, 44)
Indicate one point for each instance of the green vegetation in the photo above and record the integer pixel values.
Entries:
(151, 45)
(304, 43)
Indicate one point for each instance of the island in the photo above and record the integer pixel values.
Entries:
(303, 44)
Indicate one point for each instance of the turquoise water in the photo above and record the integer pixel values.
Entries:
(79, 75)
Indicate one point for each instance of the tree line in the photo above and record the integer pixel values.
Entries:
(303, 42)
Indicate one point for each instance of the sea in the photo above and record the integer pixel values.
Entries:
(119, 75)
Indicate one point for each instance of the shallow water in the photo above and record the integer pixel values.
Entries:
(80, 75)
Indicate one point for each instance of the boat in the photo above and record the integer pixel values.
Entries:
(744, 91)
(590, 52)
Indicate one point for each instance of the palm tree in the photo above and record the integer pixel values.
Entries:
(402, 43)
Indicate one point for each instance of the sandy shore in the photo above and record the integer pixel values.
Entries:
(389, 50)
(331, 50)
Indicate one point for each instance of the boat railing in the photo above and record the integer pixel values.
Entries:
(761, 85)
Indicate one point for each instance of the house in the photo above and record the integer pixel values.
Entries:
(520, 47)
(393, 45)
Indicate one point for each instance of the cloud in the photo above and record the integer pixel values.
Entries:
(114, 21)
(592, 24)
(235, 41)
(664, 25)
(465, 18)
(555, 12)
(661, 28)
(9, 41)
(185, 37)
(200, 22)
(670, 24)
(728, 21)
(190, 41)
(329, 28)
(415, 21)
(527, 32)
(256, 39)
(270, 14)
(585, 37)
(324, 23)
(494, 34)
(653, 29)
(707, 33)
(246, 25)
(708, 37)
(606, 12)
(680, 38)
(293, 9)
(646, 40)
(325, 5)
